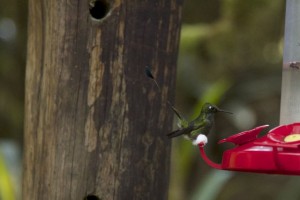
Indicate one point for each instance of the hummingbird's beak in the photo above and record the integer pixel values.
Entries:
(225, 111)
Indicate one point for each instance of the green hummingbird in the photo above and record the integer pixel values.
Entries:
(200, 126)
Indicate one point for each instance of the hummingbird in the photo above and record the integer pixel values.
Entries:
(197, 129)
(200, 125)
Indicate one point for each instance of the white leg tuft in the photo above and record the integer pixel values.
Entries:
(201, 140)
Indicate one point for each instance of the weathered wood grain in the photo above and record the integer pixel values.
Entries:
(93, 123)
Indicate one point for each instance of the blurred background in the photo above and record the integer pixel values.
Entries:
(230, 55)
(13, 33)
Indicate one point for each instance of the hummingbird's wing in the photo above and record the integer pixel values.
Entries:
(183, 131)
(180, 131)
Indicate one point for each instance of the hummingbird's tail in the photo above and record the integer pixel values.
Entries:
(150, 75)
(175, 111)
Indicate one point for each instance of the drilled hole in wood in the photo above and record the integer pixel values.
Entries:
(91, 197)
(99, 9)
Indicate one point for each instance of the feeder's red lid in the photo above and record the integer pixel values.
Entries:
(278, 152)
(285, 134)
(244, 137)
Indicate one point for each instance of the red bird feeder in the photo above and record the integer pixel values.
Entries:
(278, 152)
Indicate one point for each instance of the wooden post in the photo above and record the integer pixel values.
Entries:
(290, 92)
(94, 124)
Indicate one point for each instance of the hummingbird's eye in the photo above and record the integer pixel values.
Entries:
(212, 108)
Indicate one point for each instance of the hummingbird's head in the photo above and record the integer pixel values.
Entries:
(212, 109)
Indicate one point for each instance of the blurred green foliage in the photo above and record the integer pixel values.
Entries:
(13, 23)
(230, 54)
(6, 187)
